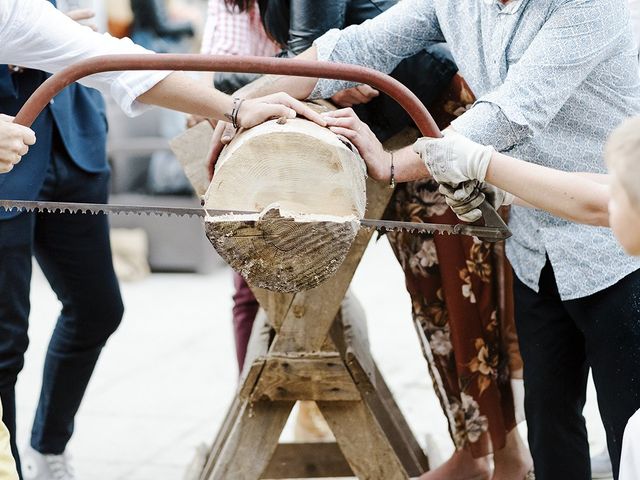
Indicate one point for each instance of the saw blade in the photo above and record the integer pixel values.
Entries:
(484, 232)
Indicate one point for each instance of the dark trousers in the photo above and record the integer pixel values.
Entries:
(559, 341)
(75, 255)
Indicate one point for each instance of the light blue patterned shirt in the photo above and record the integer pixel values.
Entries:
(552, 78)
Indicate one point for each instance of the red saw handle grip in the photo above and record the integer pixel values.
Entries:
(245, 64)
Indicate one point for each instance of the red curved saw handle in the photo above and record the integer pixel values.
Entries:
(245, 64)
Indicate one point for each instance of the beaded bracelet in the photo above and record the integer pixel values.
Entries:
(233, 116)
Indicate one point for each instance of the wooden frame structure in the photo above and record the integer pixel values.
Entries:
(313, 345)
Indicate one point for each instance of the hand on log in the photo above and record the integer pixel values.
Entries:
(347, 125)
(256, 111)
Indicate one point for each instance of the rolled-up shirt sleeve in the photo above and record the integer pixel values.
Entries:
(380, 43)
(578, 36)
(34, 34)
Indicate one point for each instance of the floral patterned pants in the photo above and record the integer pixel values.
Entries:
(461, 292)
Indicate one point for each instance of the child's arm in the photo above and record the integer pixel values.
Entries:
(579, 197)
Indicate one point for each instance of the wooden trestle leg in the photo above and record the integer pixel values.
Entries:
(313, 346)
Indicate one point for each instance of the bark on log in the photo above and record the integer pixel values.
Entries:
(310, 191)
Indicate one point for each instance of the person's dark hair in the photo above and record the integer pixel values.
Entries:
(239, 5)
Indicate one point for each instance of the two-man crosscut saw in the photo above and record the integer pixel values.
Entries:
(494, 228)
(488, 232)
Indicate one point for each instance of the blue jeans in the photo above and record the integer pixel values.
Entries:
(74, 253)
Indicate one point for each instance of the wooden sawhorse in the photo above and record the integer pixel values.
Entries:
(313, 345)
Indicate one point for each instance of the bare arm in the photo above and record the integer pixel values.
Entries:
(180, 92)
(579, 197)
(297, 87)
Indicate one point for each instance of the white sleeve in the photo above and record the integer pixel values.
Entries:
(34, 34)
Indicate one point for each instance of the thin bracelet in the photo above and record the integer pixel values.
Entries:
(233, 116)
(392, 180)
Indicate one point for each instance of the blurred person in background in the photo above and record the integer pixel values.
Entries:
(153, 28)
(71, 137)
(68, 163)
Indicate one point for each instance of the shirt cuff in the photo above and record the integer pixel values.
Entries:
(130, 85)
(325, 46)
(486, 123)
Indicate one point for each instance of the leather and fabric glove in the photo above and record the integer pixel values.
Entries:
(454, 159)
(460, 166)
(465, 198)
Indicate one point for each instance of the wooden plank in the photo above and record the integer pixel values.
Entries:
(322, 376)
(275, 304)
(373, 388)
(356, 335)
(387, 414)
(256, 351)
(191, 148)
(362, 441)
(252, 441)
(390, 419)
(308, 460)
(221, 438)
(256, 355)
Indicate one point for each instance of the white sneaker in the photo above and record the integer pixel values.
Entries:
(37, 466)
(601, 465)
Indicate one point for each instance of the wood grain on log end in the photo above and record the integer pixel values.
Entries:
(278, 252)
(310, 191)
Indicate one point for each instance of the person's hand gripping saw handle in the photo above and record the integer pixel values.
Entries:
(460, 165)
(15, 141)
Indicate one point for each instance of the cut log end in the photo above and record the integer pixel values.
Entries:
(278, 252)
(310, 190)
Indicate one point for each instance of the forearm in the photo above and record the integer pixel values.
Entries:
(182, 93)
(569, 195)
(408, 166)
(297, 87)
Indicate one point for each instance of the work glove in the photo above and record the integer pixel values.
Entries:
(460, 166)
(465, 198)
(454, 159)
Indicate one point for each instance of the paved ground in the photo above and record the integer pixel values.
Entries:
(167, 376)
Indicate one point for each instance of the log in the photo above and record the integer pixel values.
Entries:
(306, 192)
